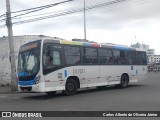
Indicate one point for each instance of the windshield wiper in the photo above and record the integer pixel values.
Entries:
(32, 51)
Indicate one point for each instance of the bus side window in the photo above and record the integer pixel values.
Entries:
(116, 54)
(72, 55)
(105, 56)
(130, 57)
(110, 60)
(122, 60)
(141, 58)
(90, 55)
(129, 60)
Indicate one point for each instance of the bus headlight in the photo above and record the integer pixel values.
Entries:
(37, 79)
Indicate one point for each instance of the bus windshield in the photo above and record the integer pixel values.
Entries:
(28, 62)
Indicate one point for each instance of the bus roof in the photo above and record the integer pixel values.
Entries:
(92, 44)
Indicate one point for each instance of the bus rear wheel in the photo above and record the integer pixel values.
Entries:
(71, 87)
(124, 81)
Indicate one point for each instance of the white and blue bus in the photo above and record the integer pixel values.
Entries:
(49, 65)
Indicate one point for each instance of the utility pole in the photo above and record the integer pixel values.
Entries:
(84, 20)
(14, 84)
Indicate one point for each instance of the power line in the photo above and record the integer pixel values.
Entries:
(70, 11)
(42, 7)
(74, 10)
(36, 9)
(3, 15)
(113, 8)
(121, 6)
(66, 12)
(15, 17)
(45, 6)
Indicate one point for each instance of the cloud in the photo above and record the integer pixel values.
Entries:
(117, 23)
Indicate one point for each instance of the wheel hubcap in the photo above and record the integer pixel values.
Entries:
(70, 87)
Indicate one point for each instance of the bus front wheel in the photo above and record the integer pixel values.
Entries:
(71, 87)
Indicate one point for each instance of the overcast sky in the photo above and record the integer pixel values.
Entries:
(123, 23)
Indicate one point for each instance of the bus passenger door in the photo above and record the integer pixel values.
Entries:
(90, 60)
(52, 62)
(105, 75)
(106, 61)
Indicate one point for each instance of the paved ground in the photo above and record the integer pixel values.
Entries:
(142, 96)
(5, 89)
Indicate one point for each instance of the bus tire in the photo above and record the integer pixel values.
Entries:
(124, 81)
(51, 93)
(70, 87)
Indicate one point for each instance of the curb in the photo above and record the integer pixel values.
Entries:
(6, 90)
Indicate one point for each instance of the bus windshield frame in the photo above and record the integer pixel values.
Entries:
(29, 61)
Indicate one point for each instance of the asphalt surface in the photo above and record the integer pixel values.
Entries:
(142, 96)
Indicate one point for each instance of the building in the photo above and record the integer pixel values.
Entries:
(5, 71)
(156, 58)
(150, 52)
(140, 46)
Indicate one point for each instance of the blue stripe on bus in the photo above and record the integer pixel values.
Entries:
(87, 44)
(28, 82)
(132, 67)
(65, 73)
(22, 74)
(120, 47)
(136, 72)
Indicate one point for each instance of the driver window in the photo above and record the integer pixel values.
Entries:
(51, 58)
(56, 58)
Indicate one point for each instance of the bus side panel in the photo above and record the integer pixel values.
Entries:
(91, 75)
(141, 72)
(108, 75)
(88, 77)
(54, 81)
(87, 74)
(111, 74)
